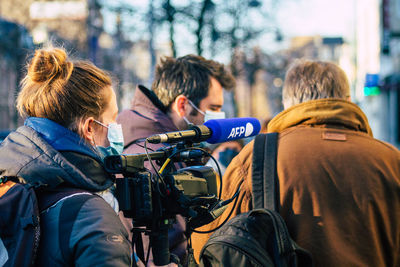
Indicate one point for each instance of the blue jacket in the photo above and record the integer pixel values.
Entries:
(44, 152)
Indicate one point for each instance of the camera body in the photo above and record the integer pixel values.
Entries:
(153, 200)
(139, 199)
(134, 196)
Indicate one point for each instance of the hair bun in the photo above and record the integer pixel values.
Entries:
(49, 64)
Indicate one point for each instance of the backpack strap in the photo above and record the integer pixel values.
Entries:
(68, 214)
(265, 179)
(48, 197)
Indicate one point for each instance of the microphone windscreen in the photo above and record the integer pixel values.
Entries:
(224, 130)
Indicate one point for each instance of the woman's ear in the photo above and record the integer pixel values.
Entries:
(87, 129)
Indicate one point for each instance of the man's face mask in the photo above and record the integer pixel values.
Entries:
(209, 114)
(116, 139)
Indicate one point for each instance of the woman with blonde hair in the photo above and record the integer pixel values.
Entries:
(70, 109)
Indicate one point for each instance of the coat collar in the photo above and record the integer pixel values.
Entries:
(59, 137)
(322, 112)
(147, 116)
(147, 100)
(27, 154)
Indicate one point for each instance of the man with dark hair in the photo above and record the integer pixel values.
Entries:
(339, 187)
(185, 90)
(190, 86)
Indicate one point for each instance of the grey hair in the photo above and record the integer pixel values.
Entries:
(309, 80)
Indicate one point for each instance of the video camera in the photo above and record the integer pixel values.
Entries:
(153, 198)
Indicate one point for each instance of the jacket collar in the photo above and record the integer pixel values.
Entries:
(322, 112)
(147, 116)
(147, 100)
(27, 154)
(59, 137)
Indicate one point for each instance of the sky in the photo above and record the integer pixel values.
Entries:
(325, 17)
(329, 18)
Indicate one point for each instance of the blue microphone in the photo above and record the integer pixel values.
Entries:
(213, 131)
(224, 130)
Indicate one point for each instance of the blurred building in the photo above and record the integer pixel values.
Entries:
(15, 41)
(26, 24)
(378, 66)
(63, 21)
(261, 76)
(77, 25)
(371, 62)
(390, 69)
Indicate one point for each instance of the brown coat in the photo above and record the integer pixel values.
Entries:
(340, 187)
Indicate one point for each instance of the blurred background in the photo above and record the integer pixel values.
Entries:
(256, 39)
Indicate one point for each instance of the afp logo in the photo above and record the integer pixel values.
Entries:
(242, 131)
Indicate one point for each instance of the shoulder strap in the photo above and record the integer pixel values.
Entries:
(48, 197)
(265, 179)
(68, 214)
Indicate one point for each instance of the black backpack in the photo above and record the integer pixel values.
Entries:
(259, 237)
(20, 206)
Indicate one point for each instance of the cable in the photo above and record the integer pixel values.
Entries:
(205, 152)
(164, 165)
(142, 146)
(236, 196)
(148, 255)
(155, 170)
(219, 174)
(135, 142)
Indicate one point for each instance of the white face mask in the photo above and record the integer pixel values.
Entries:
(187, 121)
(115, 136)
(209, 114)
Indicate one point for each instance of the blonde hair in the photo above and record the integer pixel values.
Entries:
(62, 90)
(307, 80)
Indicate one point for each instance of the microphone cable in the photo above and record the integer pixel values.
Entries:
(137, 143)
(159, 177)
(168, 160)
(236, 197)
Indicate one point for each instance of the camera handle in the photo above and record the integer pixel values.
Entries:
(160, 244)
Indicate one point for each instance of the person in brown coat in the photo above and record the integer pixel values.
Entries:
(339, 187)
